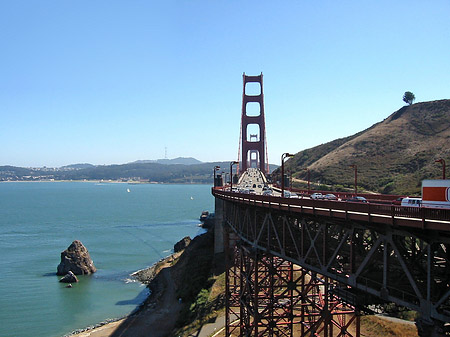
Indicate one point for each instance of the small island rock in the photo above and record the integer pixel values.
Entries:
(182, 244)
(69, 278)
(76, 259)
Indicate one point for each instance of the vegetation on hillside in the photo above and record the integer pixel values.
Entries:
(199, 284)
(379, 326)
(392, 156)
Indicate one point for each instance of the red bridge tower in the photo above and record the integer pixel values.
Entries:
(253, 129)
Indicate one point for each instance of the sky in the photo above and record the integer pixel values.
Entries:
(111, 82)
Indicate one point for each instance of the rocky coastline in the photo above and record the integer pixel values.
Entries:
(161, 301)
(145, 276)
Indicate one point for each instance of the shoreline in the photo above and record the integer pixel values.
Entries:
(103, 182)
(145, 276)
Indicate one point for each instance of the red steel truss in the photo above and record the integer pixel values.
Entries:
(373, 263)
(269, 296)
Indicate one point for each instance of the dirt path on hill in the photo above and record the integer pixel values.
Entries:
(156, 318)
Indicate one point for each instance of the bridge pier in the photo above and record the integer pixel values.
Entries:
(430, 328)
(218, 226)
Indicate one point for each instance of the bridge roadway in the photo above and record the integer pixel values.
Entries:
(394, 215)
(250, 189)
(378, 251)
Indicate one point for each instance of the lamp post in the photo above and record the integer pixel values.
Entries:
(231, 174)
(442, 161)
(356, 178)
(215, 169)
(290, 181)
(308, 176)
(283, 157)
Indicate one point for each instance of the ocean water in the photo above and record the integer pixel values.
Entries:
(123, 231)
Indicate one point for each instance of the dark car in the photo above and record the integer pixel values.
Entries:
(357, 199)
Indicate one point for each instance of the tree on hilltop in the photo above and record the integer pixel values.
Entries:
(409, 97)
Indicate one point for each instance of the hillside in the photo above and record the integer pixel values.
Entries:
(392, 156)
(153, 172)
(145, 172)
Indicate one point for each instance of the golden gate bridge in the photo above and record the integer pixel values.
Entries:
(311, 267)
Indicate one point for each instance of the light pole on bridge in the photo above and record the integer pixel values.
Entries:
(283, 157)
(442, 161)
(290, 180)
(356, 178)
(215, 169)
(231, 174)
(308, 176)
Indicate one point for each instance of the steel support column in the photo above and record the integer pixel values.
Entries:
(270, 296)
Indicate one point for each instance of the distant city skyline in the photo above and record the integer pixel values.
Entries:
(111, 82)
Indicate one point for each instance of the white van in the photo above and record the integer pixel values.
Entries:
(412, 202)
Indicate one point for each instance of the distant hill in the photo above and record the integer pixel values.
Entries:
(151, 172)
(392, 156)
(175, 161)
(178, 170)
(76, 166)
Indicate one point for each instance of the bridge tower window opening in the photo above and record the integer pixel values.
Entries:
(254, 138)
(253, 156)
(253, 109)
(253, 134)
(253, 88)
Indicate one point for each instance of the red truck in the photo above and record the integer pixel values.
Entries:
(436, 193)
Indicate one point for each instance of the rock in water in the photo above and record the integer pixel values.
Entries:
(69, 278)
(76, 259)
(182, 244)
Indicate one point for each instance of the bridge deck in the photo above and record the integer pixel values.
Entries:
(393, 215)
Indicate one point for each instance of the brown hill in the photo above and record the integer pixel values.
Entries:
(392, 156)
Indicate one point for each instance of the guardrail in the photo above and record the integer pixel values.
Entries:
(394, 215)
(345, 195)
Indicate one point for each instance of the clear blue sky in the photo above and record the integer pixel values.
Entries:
(108, 82)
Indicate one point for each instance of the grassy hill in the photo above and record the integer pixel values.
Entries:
(392, 156)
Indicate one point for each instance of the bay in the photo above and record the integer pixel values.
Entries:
(124, 227)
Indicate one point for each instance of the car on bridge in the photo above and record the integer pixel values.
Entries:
(289, 194)
(411, 202)
(330, 196)
(267, 192)
(316, 196)
(358, 199)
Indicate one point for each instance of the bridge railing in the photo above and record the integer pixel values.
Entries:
(395, 215)
(382, 198)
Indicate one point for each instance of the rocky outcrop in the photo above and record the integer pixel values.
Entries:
(76, 259)
(182, 244)
(69, 278)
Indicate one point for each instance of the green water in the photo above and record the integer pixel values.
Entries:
(123, 231)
